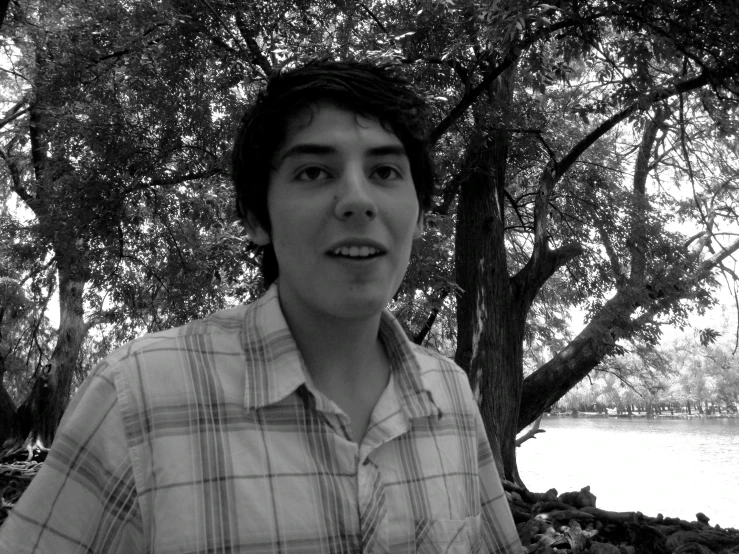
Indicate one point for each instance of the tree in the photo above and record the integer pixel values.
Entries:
(562, 130)
(111, 125)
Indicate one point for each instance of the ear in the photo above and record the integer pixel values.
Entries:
(256, 232)
(419, 227)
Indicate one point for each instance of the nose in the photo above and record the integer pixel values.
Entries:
(354, 200)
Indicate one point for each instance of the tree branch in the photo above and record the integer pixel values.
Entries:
(15, 178)
(493, 73)
(426, 329)
(373, 16)
(177, 179)
(531, 433)
(257, 56)
(610, 251)
(15, 112)
(98, 318)
(642, 103)
(554, 171)
(640, 201)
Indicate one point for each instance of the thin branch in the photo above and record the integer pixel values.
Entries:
(511, 57)
(16, 111)
(514, 205)
(16, 74)
(15, 177)
(177, 179)
(258, 57)
(610, 251)
(227, 29)
(684, 147)
(624, 381)
(692, 239)
(372, 15)
(431, 319)
(531, 433)
(641, 103)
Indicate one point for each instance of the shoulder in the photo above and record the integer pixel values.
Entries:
(195, 362)
(445, 380)
(224, 324)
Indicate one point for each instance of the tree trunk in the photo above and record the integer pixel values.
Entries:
(43, 408)
(490, 314)
(7, 412)
(490, 319)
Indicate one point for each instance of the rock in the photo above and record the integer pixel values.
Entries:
(528, 529)
(568, 498)
(612, 517)
(554, 525)
(577, 515)
(554, 505)
(550, 495)
(575, 536)
(603, 548)
(703, 518)
(582, 499)
(709, 538)
(550, 537)
(692, 548)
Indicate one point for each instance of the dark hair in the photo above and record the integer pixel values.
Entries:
(364, 88)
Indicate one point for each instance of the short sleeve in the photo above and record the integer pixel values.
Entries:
(498, 528)
(84, 497)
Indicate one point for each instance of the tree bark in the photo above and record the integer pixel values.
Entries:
(490, 318)
(7, 412)
(490, 313)
(42, 410)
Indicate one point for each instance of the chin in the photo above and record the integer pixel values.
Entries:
(359, 307)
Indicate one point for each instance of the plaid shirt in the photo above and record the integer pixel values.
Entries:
(211, 438)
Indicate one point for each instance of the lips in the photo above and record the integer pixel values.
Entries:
(356, 249)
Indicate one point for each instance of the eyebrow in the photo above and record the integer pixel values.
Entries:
(323, 150)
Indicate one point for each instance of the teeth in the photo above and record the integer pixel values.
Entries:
(355, 251)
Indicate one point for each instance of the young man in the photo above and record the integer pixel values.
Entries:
(305, 422)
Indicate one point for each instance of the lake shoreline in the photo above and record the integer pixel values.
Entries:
(675, 466)
(641, 415)
(570, 523)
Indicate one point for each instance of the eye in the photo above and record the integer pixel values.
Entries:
(312, 173)
(386, 172)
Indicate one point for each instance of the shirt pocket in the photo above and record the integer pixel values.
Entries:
(449, 536)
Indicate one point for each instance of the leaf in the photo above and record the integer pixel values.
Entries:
(708, 336)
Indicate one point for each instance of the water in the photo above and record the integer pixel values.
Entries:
(676, 467)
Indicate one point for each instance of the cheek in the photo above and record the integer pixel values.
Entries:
(291, 226)
(405, 218)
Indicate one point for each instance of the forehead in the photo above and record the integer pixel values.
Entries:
(325, 121)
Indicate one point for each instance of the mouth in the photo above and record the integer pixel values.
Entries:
(356, 252)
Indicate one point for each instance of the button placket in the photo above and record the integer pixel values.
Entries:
(372, 507)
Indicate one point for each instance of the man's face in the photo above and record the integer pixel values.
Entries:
(343, 210)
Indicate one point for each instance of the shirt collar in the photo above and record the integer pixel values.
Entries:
(275, 367)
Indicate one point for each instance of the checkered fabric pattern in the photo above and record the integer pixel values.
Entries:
(211, 438)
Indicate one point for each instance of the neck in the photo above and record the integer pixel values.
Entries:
(341, 352)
